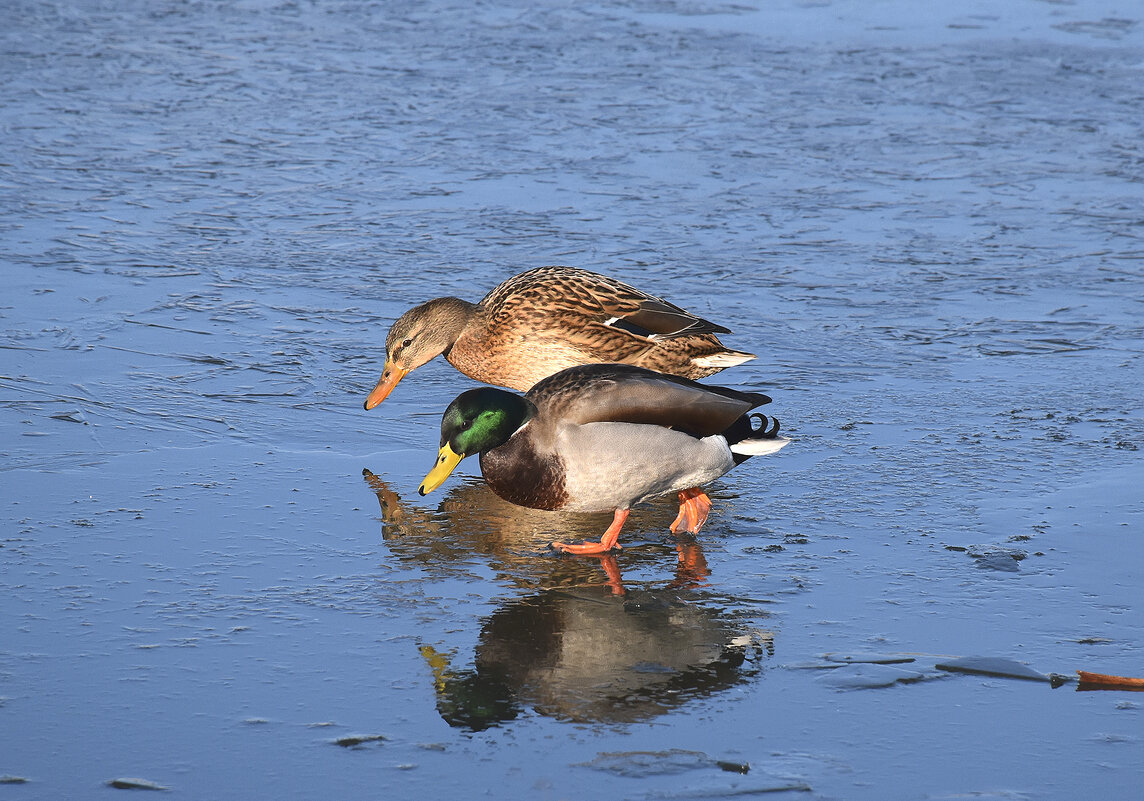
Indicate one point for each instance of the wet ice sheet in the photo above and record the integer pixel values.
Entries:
(927, 225)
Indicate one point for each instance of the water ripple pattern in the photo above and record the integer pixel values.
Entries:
(926, 221)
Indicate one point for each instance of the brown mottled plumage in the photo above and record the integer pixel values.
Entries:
(545, 320)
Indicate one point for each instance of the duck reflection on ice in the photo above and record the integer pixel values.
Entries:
(579, 647)
(473, 520)
(587, 655)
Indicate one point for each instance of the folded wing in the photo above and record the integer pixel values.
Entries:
(620, 393)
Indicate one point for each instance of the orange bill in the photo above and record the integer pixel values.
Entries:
(389, 378)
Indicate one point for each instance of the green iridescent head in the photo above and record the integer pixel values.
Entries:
(476, 421)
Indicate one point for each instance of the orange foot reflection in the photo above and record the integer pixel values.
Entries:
(692, 566)
(612, 569)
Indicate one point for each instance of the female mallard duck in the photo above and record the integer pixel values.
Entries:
(541, 321)
(601, 437)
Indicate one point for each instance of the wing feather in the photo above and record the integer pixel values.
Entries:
(574, 293)
(621, 393)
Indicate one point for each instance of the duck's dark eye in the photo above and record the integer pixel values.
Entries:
(407, 343)
(465, 424)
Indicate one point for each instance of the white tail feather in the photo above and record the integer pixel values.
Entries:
(759, 447)
(721, 361)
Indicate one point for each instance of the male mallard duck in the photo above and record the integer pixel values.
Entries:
(541, 321)
(601, 437)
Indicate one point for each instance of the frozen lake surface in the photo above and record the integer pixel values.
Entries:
(217, 576)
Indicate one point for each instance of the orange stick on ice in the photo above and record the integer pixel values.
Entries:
(1099, 681)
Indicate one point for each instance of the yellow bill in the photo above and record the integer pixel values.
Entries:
(447, 461)
(389, 378)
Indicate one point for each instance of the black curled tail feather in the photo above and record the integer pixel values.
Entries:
(743, 428)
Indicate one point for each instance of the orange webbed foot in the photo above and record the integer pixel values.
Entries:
(588, 548)
(608, 542)
(694, 506)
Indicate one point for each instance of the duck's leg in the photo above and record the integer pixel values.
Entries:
(694, 506)
(610, 540)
